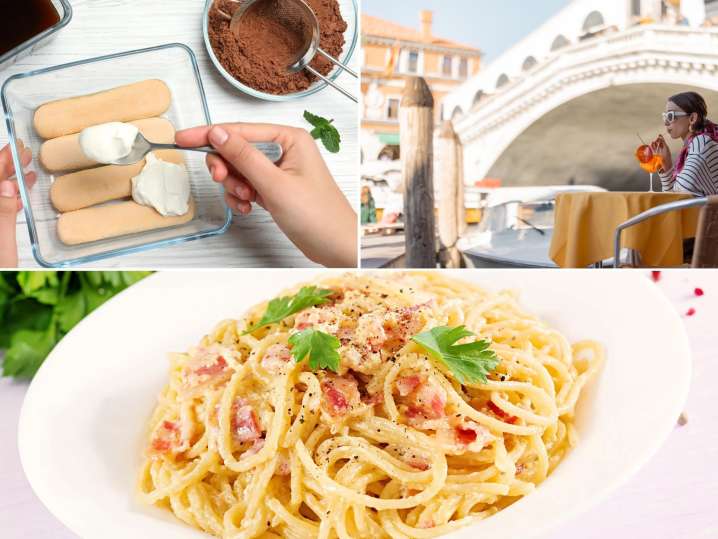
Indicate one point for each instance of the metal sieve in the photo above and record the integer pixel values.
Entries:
(299, 19)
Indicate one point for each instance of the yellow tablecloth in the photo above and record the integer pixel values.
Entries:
(585, 224)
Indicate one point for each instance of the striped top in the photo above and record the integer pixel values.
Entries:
(699, 176)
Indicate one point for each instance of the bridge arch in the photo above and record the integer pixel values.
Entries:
(494, 128)
(574, 142)
(503, 80)
(529, 63)
(457, 113)
(559, 42)
(593, 20)
(478, 96)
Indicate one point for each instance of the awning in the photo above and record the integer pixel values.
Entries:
(390, 139)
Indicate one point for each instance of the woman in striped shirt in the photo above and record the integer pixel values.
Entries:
(696, 170)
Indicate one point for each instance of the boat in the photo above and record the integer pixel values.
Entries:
(516, 227)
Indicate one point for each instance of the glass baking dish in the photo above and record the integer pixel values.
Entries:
(176, 65)
(64, 10)
(350, 13)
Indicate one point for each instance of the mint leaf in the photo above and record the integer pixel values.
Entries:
(319, 346)
(280, 308)
(331, 140)
(325, 131)
(316, 121)
(468, 362)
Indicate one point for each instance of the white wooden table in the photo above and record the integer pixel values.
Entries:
(673, 497)
(102, 27)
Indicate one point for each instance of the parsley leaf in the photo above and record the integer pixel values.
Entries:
(468, 362)
(44, 286)
(71, 310)
(28, 349)
(37, 308)
(319, 346)
(23, 313)
(279, 308)
(324, 130)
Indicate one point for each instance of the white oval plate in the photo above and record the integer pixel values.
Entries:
(82, 422)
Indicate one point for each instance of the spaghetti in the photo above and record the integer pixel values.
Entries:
(246, 442)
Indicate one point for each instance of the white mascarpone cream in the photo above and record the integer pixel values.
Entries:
(163, 186)
(106, 143)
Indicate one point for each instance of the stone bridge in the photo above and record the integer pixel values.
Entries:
(567, 107)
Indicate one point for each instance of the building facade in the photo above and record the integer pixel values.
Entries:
(391, 53)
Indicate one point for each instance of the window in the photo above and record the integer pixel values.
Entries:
(392, 109)
(636, 8)
(447, 66)
(463, 68)
(412, 64)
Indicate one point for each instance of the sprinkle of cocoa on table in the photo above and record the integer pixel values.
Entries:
(259, 57)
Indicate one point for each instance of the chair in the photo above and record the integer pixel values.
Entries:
(705, 254)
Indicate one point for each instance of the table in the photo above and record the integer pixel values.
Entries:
(673, 496)
(585, 224)
(102, 27)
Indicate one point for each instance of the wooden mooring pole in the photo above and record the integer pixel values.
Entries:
(416, 121)
(450, 184)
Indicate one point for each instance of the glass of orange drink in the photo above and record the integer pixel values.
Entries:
(649, 161)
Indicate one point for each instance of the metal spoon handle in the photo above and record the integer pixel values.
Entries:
(272, 150)
(338, 63)
(330, 83)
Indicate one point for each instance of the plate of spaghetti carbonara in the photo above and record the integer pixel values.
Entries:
(357, 405)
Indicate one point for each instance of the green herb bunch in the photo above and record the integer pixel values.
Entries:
(37, 308)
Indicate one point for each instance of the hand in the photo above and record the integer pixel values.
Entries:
(299, 193)
(10, 203)
(660, 147)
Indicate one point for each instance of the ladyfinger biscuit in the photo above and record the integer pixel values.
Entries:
(112, 220)
(64, 153)
(102, 184)
(132, 102)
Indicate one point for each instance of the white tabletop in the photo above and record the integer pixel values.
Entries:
(672, 497)
(102, 27)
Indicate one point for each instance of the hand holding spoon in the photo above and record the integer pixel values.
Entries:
(141, 147)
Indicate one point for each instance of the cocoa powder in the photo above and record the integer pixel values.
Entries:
(259, 56)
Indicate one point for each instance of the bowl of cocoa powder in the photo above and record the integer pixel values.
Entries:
(254, 61)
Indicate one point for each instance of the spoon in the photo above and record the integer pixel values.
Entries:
(141, 147)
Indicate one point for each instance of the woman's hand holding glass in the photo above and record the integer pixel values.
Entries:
(660, 147)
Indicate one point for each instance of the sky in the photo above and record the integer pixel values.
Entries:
(474, 22)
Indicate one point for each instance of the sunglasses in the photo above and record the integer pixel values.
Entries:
(670, 116)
